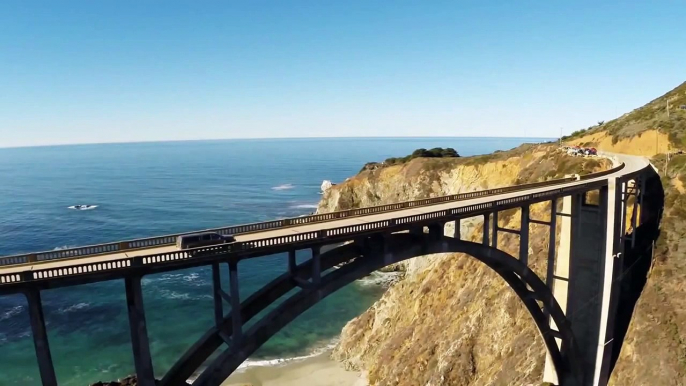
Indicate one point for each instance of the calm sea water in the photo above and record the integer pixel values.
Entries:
(156, 188)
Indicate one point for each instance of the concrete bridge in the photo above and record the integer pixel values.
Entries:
(584, 273)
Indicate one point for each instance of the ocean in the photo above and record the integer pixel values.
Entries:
(149, 189)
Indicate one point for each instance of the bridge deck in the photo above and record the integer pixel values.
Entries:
(632, 164)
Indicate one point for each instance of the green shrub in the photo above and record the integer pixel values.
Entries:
(437, 152)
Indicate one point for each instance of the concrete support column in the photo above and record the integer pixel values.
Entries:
(622, 217)
(236, 321)
(581, 282)
(291, 262)
(559, 278)
(139, 332)
(494, 235)
(587, 279)
(487, 228)
(316, 266)
(524, 236)
(641, 195)
(40, 339)
(458, 230)
(551, 244)
(611, 285)
(387, 257)
(634, 215)
(217, 286)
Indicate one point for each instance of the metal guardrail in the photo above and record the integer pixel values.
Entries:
(268, 244)
(159, 241)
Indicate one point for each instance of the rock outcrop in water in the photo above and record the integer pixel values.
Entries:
(130, 380)
(451, 320)
(126, 381)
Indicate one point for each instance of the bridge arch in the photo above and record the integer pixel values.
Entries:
(361, 259)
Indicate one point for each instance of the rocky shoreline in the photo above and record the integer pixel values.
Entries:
(130, 380)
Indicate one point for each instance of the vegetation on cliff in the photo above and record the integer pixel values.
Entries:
(437, 152)
(666, 114)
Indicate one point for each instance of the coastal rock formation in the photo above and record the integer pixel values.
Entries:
(130, 380)
(451, 320)
(126, 381)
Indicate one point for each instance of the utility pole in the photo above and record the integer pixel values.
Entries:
(667, 110)
(668, 155)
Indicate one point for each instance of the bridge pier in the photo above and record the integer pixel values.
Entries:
(139, 332)
(585, 277)
(316, 265)
(494, 230)
(487, 229)
(40, 339)
(216, 294)
(237, 324)
(552, 236)
(524, 236)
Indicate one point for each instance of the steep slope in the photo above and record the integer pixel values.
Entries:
(467, 327)
(657, 127)
(654, 349)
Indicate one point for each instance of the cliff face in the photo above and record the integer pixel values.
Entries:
(451, 320)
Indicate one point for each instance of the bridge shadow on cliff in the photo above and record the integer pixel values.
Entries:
(637, 260)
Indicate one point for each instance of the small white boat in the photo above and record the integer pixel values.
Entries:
(83, 207)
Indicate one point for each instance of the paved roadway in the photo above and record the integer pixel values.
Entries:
(632, 164)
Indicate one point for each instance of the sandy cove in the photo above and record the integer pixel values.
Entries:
(319, 370)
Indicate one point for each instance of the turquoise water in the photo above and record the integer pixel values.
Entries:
(149, 189)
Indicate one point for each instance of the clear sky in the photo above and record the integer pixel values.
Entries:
(106, 71)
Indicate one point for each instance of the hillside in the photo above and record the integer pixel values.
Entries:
(661, 122)
(654, 350)
(468, 327)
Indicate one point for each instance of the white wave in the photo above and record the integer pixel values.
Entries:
(62, 247)
(73, 307)
(89, 207)
(168, 294)
(283, 187)
(11, 312)
(304, 206)
(175, 295)
(282, 361)
(380, 279)
(191, 277)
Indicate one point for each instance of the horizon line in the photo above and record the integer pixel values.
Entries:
(258, 139)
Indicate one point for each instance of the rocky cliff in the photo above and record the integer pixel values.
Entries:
(450, 320)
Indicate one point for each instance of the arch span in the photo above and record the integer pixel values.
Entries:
(364, 258)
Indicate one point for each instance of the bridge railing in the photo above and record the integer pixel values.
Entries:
(166, 240)
(268, 244)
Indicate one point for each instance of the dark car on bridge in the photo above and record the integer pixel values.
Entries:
(203, 239)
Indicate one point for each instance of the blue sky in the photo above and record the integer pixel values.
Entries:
(112, 71)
